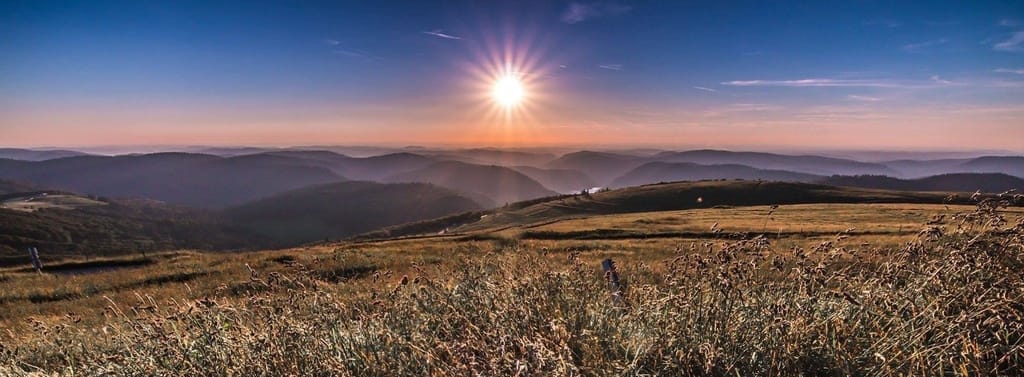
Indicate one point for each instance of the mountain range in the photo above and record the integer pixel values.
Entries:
(490, 177)
(258, 197)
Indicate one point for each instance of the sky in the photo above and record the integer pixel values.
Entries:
(871, 75)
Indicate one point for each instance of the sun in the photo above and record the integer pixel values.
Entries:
(508, 90)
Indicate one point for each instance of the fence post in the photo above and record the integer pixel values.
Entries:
(34, 253)
(612, 276)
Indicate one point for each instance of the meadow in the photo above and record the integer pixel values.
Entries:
(812, 289)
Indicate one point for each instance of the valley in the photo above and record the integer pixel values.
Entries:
(400, 235)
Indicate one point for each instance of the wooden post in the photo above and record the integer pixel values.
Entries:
(35, 259)
(612, 276)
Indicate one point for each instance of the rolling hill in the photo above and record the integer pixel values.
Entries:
(339, 210)
(179, 178)
(658, 197)
(11, 187)
(374, 168)
(603, 167)
(491, 156)
(654, 172)
(925, 168)
(803, 164)
(1012, 165)
(113, 227)
(488, 185)
(37, 154)
(565, 181)
(957, 182)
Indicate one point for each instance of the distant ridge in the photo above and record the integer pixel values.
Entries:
(653, 172)
(808, 164)
(37, 154)
(1012, 165)
(181, 178)
(956, 182)
(374, 168)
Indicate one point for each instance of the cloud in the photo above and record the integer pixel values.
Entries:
(704, 89)
(614, 67)
(438, 33)
(840, 83)
(917, 47)
(863, 98)
(1006, 22)
(1008, 70)
(1014, 44)
(579, 12)
(939, 80)
(332, 42)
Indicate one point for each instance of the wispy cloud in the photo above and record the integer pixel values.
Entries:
(704, 89)
(1014, 44)
(840, 83)
(1019, 71)
(614, 67)
(579, 12)
(1007, 22)
(863, 98)
(440, 34)
(919, 47)
(332, 42)
(884, 23)
(938, 80)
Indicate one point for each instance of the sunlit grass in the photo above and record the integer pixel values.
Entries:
(945, 301)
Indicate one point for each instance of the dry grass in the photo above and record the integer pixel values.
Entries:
(949, 301)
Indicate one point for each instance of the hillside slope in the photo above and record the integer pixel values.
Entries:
(339, 210)
(660, 197)
(118, 227)
(562, 180)
(179, 178)
(11, 187)
(488, 185)
(603, 167)
(374, 168)
(959, 182)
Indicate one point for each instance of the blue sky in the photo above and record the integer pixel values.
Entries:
(851, 75)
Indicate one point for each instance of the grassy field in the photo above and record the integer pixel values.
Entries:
(817, 289)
